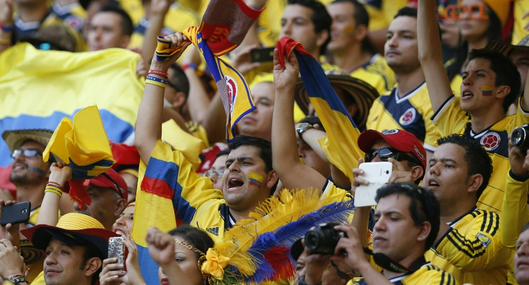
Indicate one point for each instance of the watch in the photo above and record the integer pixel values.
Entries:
(302, 128)
(18, 279)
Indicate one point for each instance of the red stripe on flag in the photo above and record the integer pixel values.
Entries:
(157, 187)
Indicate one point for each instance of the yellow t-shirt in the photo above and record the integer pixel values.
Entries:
(426, 274)
(450, 119)
(377, 73)
(472, 250)
(412, 113)
(381, 12)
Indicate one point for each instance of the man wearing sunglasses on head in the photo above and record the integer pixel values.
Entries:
(29, 173)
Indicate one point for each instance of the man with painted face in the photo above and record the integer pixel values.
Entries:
(491, 83)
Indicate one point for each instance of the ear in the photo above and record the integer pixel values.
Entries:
(502, 91)
(271, 179)
(92, 265)
(474, 182)
(417, 172)
(322, 38)
(361, 33)
(424, 232)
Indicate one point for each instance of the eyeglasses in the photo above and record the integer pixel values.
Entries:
(28, 153)
(476, 11)
(386, 153)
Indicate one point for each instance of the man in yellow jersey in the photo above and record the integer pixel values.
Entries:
(407, 106)
(407, 223)
(491, 83)
(469, 244)
(350, 48)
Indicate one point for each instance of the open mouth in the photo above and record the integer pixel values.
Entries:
(235, 182)
(467, 94)
(433, 183)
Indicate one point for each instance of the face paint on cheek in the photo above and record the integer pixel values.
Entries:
(487, 90)
(256, 178)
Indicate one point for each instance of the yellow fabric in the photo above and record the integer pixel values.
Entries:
(451, 119)
(377, 73)
(39, 280)
(472, 249)
(189, 145)
(82, 141)
(501, 8)
(78, 221)
(416, 102)
(381, 18)
(521, 8)
(515, 212)
(270, 22)
(456, 84)
(426, 274)
(198, 131)
(134, 8)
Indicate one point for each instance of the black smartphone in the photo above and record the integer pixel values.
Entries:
(262, 54)
(16, 213)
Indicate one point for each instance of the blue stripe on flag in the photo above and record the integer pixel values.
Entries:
(149, 268)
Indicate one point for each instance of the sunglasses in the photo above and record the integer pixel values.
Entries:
(386, 153)
(28, 153)
(476, 11)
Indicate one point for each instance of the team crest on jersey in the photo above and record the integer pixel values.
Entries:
(485, 240)
(408, 117)
(490, 141)
(214, 230)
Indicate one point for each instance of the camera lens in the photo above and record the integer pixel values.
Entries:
(518, 137)
(312, 240)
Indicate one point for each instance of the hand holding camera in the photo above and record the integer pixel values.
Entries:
(518, 146)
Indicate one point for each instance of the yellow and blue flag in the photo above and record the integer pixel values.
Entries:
(40, 88)
(342, 133)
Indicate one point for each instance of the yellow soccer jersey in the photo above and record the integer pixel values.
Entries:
(381, 12)
(195, 201)
(521, 20)
(515, 212)
(472, 250)
(426, 274)
(450, 119)
(377, 73)
(412, 113)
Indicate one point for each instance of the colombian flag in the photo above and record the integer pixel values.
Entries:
(40, 88)
(342, 132)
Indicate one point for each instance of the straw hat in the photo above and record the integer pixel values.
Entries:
(15, 138)
(74, 228)
(348, 89)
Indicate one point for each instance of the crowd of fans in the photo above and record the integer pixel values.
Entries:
(436, 88)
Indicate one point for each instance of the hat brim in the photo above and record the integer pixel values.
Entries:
(348, 89)
(367, 139)
(14, 139)
(41, 235)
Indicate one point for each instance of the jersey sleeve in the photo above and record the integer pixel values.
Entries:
(480, 246)
(430, 274)
(449, 118)
(515, 212)
(330, 191)
(169, 174)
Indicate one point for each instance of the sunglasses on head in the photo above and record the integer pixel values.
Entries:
(29, 153)
(386, 153)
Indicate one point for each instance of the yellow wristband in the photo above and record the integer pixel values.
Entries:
(54, 190)
(152, 82)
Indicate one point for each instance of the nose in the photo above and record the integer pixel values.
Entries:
(286, 30)
(380, 225)
(468, 80)
(523, 250)
(234, 166)
(50, 259)
(392, 41)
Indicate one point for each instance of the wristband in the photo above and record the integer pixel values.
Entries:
(18, 279)
(153, 80)
(158, 72)
(54, 190)
(6, 28)
(190, 65)
(55, 184)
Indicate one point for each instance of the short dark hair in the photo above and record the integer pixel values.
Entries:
(476, 157)
(361, 17)
(197, 238)
(406, 12)
(127, 26)
(321, 18)
(424, 207)
(178, 79)
(506, 72)
(89, 251)
(264, 146)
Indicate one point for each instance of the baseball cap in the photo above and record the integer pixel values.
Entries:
(109, 180)
(399, 140)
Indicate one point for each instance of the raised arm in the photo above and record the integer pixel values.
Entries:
(150, 114)
(157, 13)
(292, 172)
(430, 56)
(525, 101)
(6, 23)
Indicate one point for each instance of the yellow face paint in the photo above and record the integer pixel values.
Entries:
(256, 178)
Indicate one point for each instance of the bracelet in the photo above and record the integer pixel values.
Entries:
(153, 80)
(54, 190)
(18, 279)
(55, 184)
(189, 65)
(158, 72)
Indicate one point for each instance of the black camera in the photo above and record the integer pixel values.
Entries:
(520, 138)
(323, 239)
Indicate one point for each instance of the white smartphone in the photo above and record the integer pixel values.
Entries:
(377, 174)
